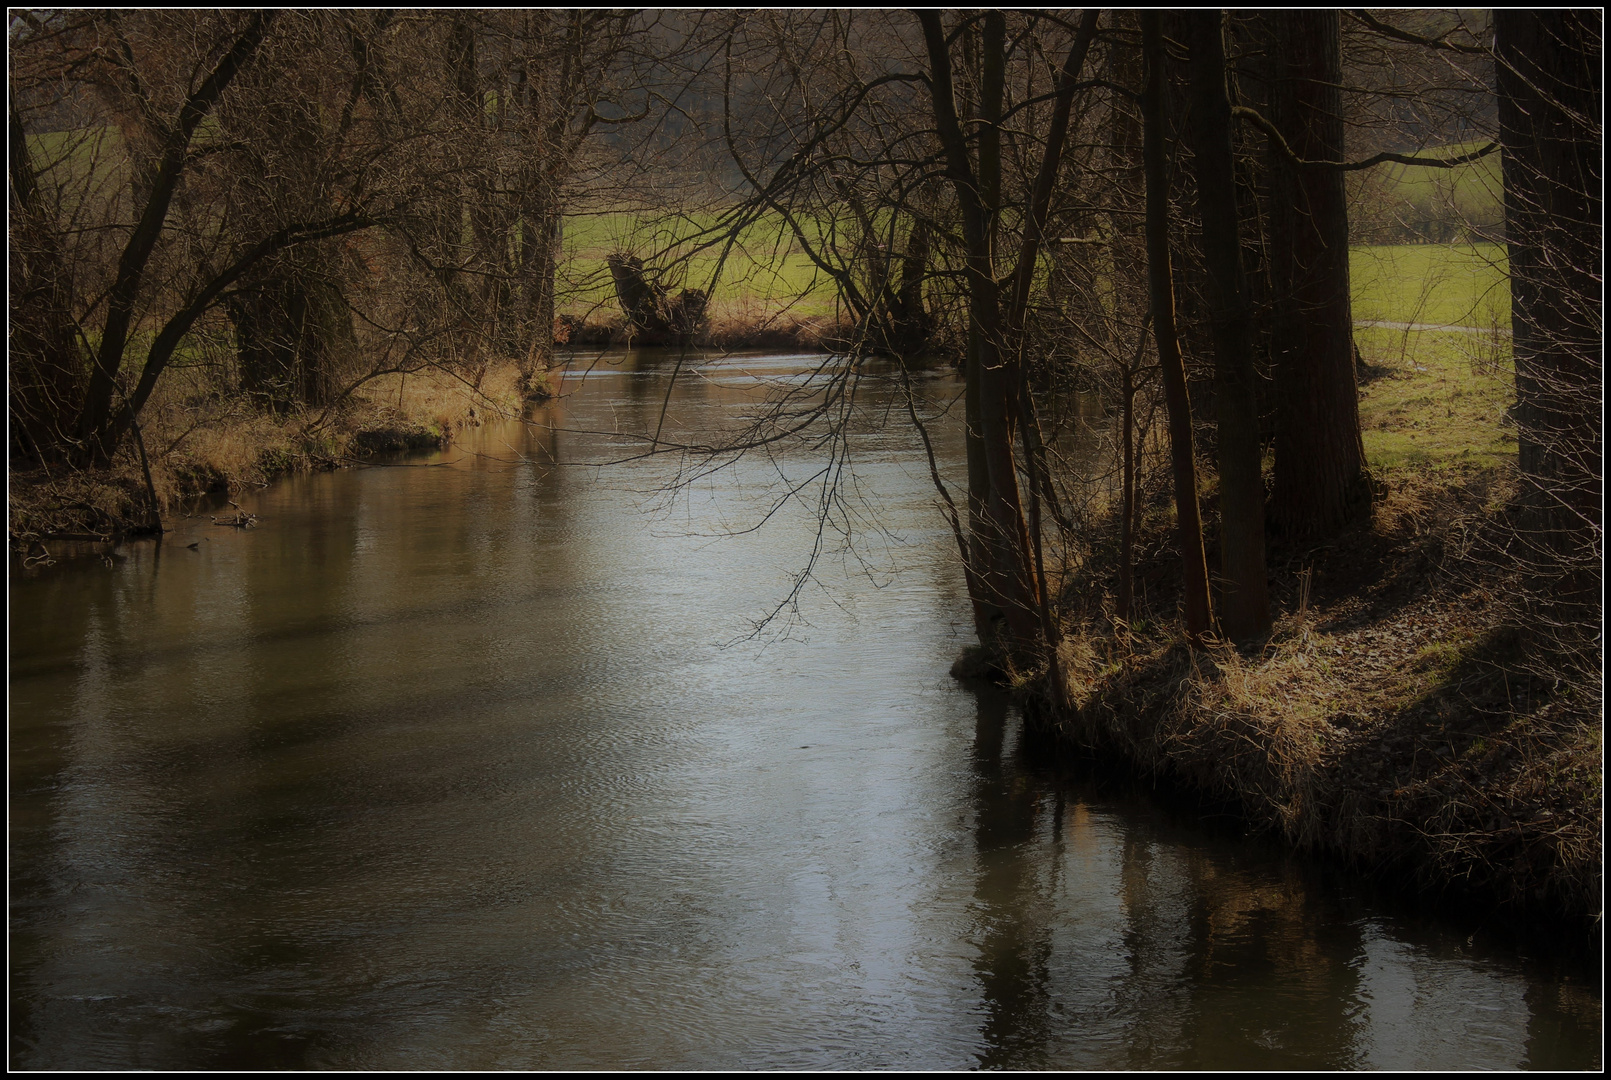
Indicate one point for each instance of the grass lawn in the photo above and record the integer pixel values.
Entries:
(1442, 401)
(1431, 284)
(1443, 397)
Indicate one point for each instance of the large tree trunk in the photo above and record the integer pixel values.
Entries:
(539, 258)
(1127, 250)
(1244, 603)
(1320, 481)
(1199, 617)
(910, 322)
(1549, 74)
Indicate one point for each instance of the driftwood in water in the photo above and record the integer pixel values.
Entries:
(654, 316)
(239, 520)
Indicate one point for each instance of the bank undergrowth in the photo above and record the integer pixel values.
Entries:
(1405, 714)
(198, 445)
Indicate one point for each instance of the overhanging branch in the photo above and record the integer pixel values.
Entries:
(1258, 120)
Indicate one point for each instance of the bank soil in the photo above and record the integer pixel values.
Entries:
(1404, 714)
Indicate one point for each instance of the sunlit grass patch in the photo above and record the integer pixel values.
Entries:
(1443, 401)
(761, 274)
(1431, 284)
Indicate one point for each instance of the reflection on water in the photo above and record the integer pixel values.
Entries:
(449, 765)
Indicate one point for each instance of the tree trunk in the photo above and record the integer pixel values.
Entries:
(1320, 481)
(1199, 618)
(96, 420)
(294, 336)
(1126, 307)
(999, 544)
(1549, 74)
(910, 322)
(1244, 603)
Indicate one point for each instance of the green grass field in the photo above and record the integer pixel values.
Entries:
(1403, 203)
(764, 274)
(1431, 284)
(1443, 398)
(1441, 401)
(72, 158)
(1471, 191)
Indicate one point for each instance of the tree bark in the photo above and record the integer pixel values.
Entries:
(1127, 250)
(1550, 77)
(294, 335)
(1198, 612)
(1244, 603)
(45, 365)
(1320, 482)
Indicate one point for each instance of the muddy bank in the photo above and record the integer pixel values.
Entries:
(1400, 717)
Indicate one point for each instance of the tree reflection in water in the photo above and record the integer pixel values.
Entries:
(1110, 931)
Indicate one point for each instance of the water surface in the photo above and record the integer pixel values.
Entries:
(468, 763)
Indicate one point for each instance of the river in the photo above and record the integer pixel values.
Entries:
(476, 761)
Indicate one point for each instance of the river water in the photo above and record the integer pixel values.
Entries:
(471, 762)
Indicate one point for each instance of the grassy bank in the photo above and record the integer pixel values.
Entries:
(764, 277)
(1407, 714)
(196, 446)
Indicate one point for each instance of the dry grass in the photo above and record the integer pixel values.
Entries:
(199, 443)
(1403, 718)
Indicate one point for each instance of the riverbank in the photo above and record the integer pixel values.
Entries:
(773, 330)
(1402, 715)
(201, 448)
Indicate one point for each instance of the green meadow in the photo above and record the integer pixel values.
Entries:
(1431, 284)
(1434, 319)
(763, 274)
(1443, 338)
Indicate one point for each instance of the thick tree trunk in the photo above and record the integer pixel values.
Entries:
(539, 242)
(1126, 307)
(910, 322)
(1127, 492)
(1198, 612)
(1244, 603)
(1320, 481)
(1550, 78)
